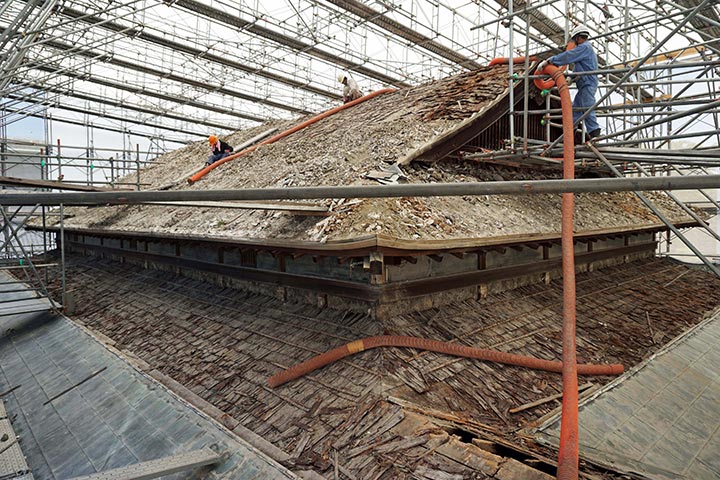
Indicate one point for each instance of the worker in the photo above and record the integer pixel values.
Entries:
(350, 88)
(585, 60)
(219, 148)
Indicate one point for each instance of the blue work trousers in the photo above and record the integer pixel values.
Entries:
(584, 98)
(214, 157)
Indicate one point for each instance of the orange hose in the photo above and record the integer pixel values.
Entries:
(569, 451)
(284, 134)
(550, 83)
(336, 354)
(506, 60)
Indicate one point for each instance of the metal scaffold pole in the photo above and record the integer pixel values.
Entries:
(712, 267)
(529, 187)
(620, 82)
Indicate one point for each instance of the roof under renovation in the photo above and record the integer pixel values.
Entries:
(394, 412)
(145, 340)
(348, 147)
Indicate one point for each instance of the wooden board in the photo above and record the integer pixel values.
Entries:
(27, 182)
(294, 208)
(390, 245)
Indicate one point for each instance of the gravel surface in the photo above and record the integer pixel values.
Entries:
(341, 150)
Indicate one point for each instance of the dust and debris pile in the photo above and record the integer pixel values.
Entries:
(340, 150)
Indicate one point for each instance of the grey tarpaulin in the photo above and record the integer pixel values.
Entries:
(116, 418)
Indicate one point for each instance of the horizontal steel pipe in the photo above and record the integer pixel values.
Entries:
(663, 153)
(694, 100)
(644, 68)
(371, 191)
(608, 139)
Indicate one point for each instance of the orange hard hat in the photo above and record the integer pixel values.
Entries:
(212, 139)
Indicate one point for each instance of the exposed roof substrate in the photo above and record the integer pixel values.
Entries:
(223, 345)
(342, 149)
(79, 408)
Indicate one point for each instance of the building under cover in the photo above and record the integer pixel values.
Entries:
(157, 333)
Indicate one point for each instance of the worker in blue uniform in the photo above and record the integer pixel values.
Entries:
(585, 60)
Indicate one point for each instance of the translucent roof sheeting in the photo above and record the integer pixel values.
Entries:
(178, 69)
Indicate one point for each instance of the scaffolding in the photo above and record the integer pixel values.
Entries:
(163, 73)
(173, 71)
(182, 68)
(652, 99)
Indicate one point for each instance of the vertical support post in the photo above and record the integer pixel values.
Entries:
(43, 173)
(137, 164)
(6, 231)
(567, 21)
(669, 123)
(511, 54)
(59, 161)
(48, 148)
(3, 149)
(62, 254)
(547, 123)
(88, 174)
(712, 92)
(44, 235)
(526, 81)
(606, 44)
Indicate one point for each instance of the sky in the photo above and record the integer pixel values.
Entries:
(305, 19)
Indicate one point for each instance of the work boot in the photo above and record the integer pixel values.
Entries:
(594, 133)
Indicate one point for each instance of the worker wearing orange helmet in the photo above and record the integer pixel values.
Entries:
(350, 88)
(219, 148)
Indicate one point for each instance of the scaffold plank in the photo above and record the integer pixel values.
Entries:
(12, 460)
(158, 468)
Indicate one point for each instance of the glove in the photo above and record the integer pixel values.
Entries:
(542, 65)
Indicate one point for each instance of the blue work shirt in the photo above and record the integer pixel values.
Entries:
(585, 60)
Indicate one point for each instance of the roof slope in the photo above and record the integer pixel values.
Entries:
(79, 408)
(224, 344)
(342, 149)
(662, 420)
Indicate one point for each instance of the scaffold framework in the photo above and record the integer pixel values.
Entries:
(158, 74)
(177, 69)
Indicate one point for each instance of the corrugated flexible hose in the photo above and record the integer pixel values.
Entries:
(336, 354)
(506, 60)
(550, 83)
(568, 453)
